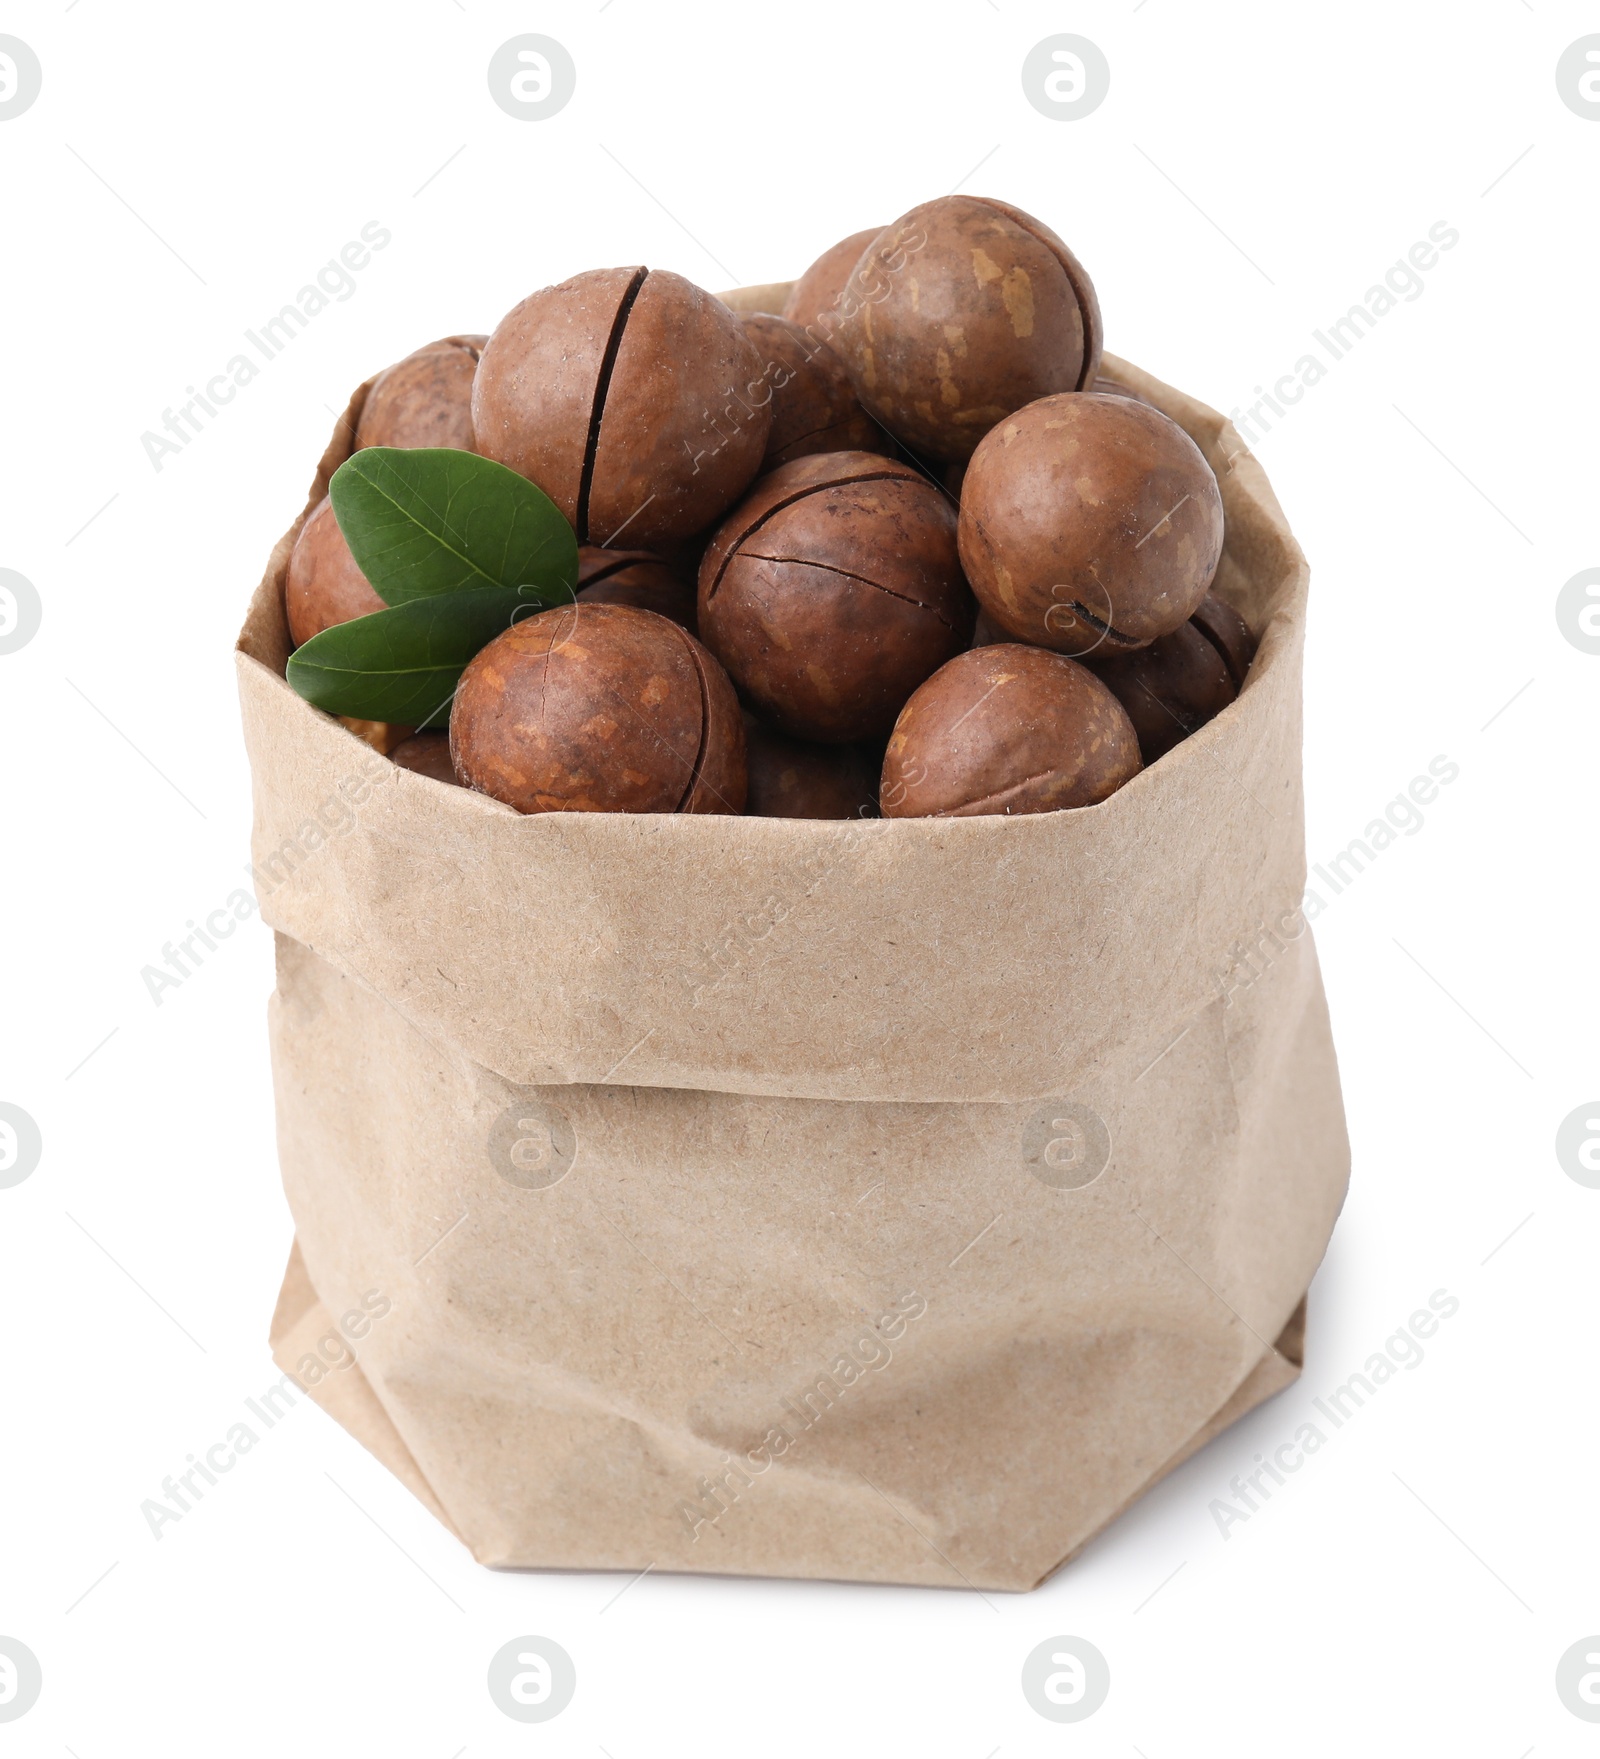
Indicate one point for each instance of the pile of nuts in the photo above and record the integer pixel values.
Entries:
(900, 549)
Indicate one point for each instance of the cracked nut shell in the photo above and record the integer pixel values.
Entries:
(833, 591)
(1090, 524)
(1182, 680)
(323, 585)
(599, 708)
(425, 399)
(814, 405)
(635, 577)
(1007, 729)
(617, 392)
(976, 309)
(793, 778)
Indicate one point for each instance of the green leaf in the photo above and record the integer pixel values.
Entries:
(403, 664)
(435, 520)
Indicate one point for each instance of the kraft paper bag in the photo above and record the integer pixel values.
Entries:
(882, 1201)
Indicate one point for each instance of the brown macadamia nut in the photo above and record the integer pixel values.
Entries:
(1007, 729)
(619, 394)
(428, 754)
(792, 778)
(815, 299)
(425, 399)
(833, 591)
(1182, 680)
(973, 310)
(1090, 524)
(814, 406)
(599, 708)
(323, 585)
(1228, 632)
(635, 577)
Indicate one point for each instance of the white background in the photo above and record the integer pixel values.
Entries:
(1254, 171)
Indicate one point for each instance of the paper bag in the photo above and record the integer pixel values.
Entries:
(890, 1200)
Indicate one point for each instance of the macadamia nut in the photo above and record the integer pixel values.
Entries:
(833, 591)
(967, 310)
(1007, 729)
(425, 399)
(635, 577)
(1182, 680)
(323, 585)
(617, 392)
(1090, 524)
(428, 754)
(794, 778)
(814, 407)
(599, 708)
(815, 300)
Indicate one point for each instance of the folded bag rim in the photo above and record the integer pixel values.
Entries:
(1254, 742)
